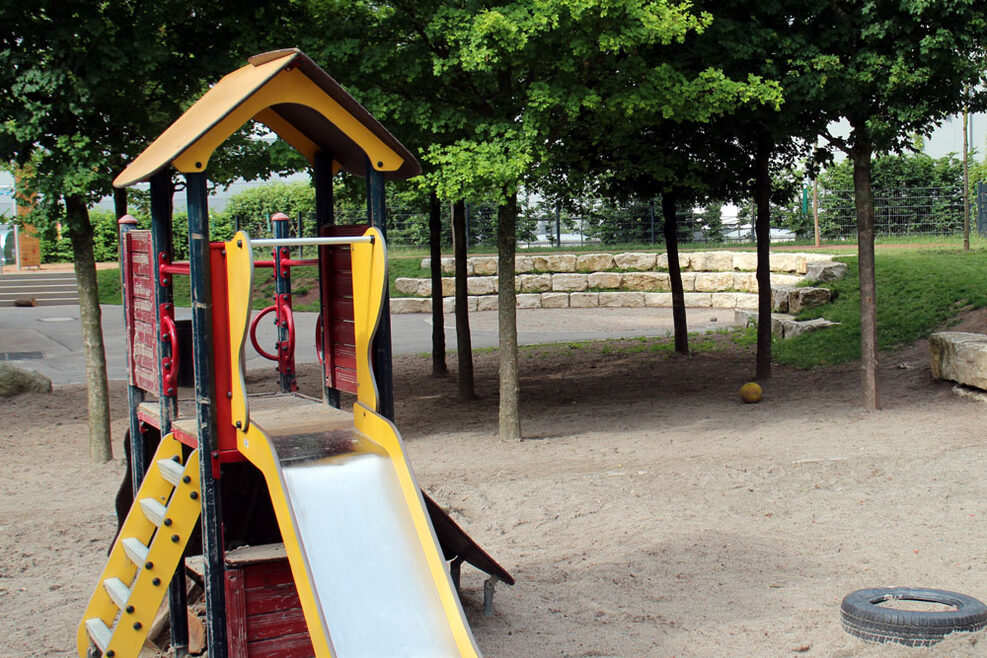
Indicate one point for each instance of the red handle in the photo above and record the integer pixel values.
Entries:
(253, 334)
(170, 366)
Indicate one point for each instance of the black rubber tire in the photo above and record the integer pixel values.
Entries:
(864, 618)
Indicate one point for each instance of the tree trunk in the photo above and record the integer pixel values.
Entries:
(510, 417)
(438, 319)
(97, 393)
(668, 203)
(864, 201)
(464, 342)
(762, 228)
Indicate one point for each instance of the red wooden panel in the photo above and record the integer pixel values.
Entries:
(276, 624)
(343, 333)
(342, 285)
(294, 646)
(345, 379)
(342, 308)
(236, 617)
(272, 599)
(345, 356)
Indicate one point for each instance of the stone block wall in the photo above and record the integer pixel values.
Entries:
(630, 280)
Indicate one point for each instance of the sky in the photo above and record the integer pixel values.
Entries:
(946, 139)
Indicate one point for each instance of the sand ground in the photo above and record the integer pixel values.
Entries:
(649, 512)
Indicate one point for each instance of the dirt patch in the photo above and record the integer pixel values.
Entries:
(649, 512)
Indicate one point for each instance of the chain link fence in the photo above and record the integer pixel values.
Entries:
(898, 213)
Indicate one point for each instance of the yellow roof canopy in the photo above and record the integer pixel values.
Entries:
(291, 95)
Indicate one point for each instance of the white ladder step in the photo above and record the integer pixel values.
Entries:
(153, 510)
(118, 591)
(99, 633)
(135, 550)
(171, 471)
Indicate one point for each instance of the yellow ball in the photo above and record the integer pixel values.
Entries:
(750, 392)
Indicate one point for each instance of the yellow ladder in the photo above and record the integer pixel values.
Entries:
(145, 555)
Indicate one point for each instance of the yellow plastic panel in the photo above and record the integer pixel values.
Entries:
(240, 280)
(289, 86)
(369, 265)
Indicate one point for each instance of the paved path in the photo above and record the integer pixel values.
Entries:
(47, 339)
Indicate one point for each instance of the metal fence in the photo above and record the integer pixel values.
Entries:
(900, 212)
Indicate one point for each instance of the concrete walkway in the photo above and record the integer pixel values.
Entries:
(47, 339)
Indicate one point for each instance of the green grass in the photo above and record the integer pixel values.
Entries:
(918, 292)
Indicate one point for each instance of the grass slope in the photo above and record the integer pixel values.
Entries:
(918, 292)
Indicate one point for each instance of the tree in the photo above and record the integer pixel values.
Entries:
(86, 86)
(892, 70)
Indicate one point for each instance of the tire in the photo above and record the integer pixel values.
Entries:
(864, 618)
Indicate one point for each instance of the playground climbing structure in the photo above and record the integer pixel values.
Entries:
(297, 506)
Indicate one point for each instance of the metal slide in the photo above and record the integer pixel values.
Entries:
(368, 552)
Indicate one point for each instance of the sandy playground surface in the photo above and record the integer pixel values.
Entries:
(648, 513)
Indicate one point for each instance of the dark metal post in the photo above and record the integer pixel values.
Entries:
(162, 251)
(135, 395)
(377, 212)
(202, 348)
(324, 219)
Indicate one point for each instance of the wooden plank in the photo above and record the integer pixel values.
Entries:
(293, 646)
(236, 614)
(276, 624)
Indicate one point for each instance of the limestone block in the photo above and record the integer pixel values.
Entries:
(720, 261)
(584, 299)
(825, 271)
(410, 305)
(688, 281)
(959, 356)
(697, 261)
(797, 328)
(604, 280)
(484, 265)
(714, 281)
(555, 300)
(529, 301)
(14, 380)
(481, 285)
(569, 282)
(524, 264)
(486, 303)
(779, 298)
(594, 262)
(407, 285)
(724, 300)
(808, 297)
(622, 299)
(785, 279)
(534, 282)
(745, 281)
(658, 299)
(554, 263)
(649, 281)
(662, 262)
(698, 299)
(636, 262)
(745, 261)
(786, 263)
(747, 300)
